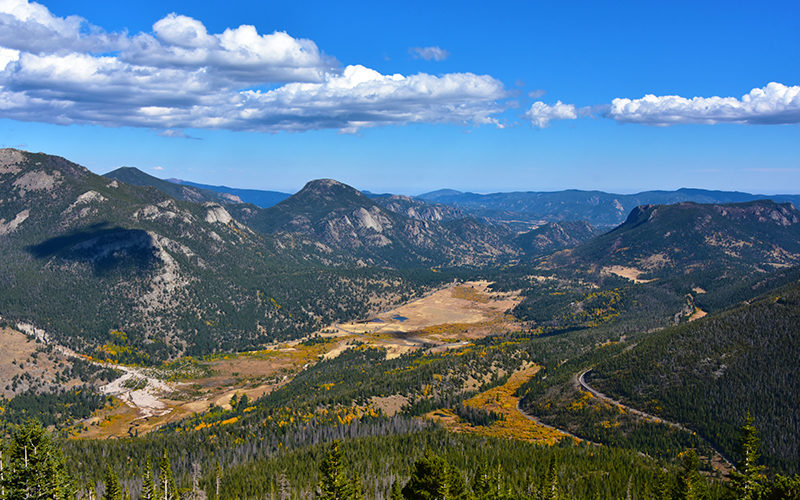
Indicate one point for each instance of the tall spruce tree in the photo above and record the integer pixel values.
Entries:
(148, 485)
(551, 487)
(166, 483)
(748, 480)
(334, 484)
(691, 485)
(113, 488)
(432, 478)
(36, 466)
(488, 484)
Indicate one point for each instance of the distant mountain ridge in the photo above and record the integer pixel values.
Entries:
(691, 241)
(597, 207)
(519, 210)
(345, 220)
(554, 236)
(136, 177)
(258, 197)
(387, 229)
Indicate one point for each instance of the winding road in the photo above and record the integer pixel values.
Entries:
(581, 380)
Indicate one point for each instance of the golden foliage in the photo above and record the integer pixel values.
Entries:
(469, 293)
(503, 401)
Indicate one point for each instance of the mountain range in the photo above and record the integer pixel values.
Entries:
(596, 207)
(86, 255)
(173, 253)
(685, 310)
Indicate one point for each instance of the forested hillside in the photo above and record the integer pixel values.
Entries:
(86, 256)
(136, 177)
(258, 197)
(489, 393)
(709, 246)
(345, 220)
(710, 373)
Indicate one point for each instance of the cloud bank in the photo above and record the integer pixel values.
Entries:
(773, 104)
(65, 70)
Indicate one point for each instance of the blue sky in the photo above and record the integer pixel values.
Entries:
(521, 96)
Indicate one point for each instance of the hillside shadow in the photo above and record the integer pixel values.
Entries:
(106, 248)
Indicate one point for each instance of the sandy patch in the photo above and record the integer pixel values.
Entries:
(470, 302)
(630, 273)
(698, 313)
(440, 321)
(389, 405)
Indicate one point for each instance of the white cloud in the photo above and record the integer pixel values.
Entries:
(773, 104)
(63, 70)
(158, 167)
(180, 134)
(429, 53)
(537, 94)
(541, 114)
(31, 27)
(361, 97)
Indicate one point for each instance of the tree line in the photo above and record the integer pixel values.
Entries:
(34, 467)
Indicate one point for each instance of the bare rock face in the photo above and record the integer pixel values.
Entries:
(216, 213)
(369, 219)
(36, 180)
(419, 210)
(13, 224)
(780, 214)
(10, 160)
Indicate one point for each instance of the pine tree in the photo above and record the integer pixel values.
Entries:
(334, 485)
(784, 488)
(690, 485)
(113, 489)
(397, 491)
(456, 486)
(166, 483)
(748, 480)
(148, 485)
(488, 484)
(432, 478)
(552, 491)
(36, 466)
(91, 494)
(664, 491)
(428, 479)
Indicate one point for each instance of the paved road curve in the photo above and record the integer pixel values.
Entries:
(647, 416)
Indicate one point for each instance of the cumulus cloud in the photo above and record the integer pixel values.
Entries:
(158, 167)
(31, 27)
(64, 70)
(773, 104)
(540, 114)
(429, 53)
